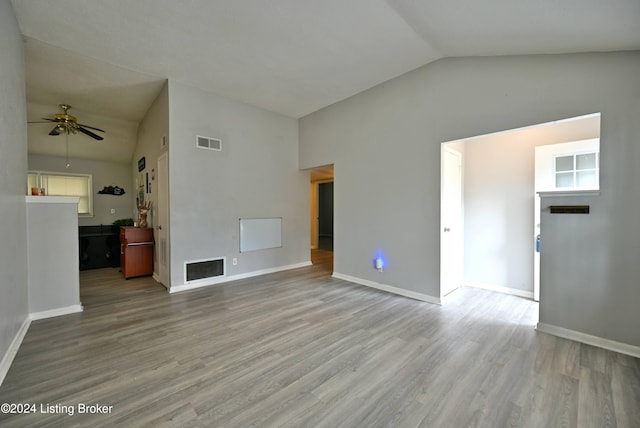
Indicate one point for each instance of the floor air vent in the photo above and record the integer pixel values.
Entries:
(209, 143)
(204, 269)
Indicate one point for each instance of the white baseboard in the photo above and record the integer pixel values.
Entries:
(223, 279)
(389, 288)
(600, 342)
(500, 289)
(5, 364)
(56, 312)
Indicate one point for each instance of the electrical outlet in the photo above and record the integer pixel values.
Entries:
(235, 261)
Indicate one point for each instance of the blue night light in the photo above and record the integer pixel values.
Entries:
(379, 262)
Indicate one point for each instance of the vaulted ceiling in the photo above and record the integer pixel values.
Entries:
(110, 58)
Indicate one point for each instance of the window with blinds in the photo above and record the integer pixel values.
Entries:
(55, 184)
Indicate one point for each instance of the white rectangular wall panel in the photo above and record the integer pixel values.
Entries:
(260, 233)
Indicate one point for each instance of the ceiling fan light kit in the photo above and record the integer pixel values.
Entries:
(67, 124)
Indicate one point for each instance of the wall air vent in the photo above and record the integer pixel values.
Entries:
(569, 209)
(203, 269)
(208, 143)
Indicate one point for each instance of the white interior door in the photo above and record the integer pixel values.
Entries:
(451, 232)
(162, 226)
(536, 244)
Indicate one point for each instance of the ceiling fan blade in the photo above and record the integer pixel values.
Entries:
(91, 127)
(54, 131)
(89, 133)
(50, 120)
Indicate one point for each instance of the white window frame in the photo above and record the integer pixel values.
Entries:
(89, 178)
(574, 171)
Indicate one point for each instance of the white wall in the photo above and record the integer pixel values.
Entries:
(499, 213)
(13, 170)
(52, 231)
(385, 145)
(104, 174)
(255, 175)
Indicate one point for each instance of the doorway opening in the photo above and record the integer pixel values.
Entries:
(499, 216)
(325, 216)
(321, 216)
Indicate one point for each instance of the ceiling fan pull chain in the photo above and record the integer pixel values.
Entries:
(67, 164)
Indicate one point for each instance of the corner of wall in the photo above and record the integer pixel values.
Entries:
(14, 298)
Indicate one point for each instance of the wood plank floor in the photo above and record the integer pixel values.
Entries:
(301, 349)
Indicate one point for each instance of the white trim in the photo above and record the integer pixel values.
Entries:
(53, 199)
(562, 194)
(444, 256)
(500, 289)
(600, 342)
(505, 131)
(220, 279)
(5, 365)
(56, 312)
(389, 288)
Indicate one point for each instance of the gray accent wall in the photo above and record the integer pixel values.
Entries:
(385, 146)
(255, 175)
(104, 174)
(13, 172)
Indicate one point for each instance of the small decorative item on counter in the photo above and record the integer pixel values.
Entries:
(37, 191)
(143, 211)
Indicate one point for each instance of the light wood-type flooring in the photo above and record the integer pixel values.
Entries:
(301, 349)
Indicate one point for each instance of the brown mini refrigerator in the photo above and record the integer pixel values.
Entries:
(136, 251)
